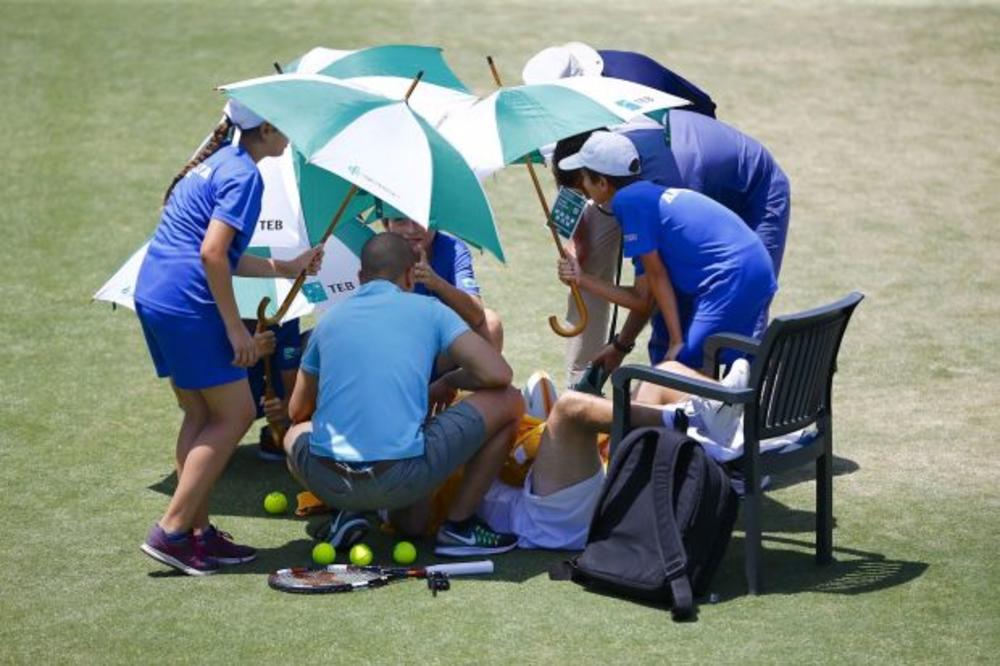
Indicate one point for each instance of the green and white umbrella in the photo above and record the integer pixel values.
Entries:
(283, 231)
(389, 70)
(513, 122)
(380, 145)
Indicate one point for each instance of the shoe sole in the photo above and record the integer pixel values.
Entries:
(462, 551)
(173, 562)
(350, 533)
(270, 456)
(235, 560)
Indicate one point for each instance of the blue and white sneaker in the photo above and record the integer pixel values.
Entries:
(344, 529)
(472, 537)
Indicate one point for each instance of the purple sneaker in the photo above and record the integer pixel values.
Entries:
(180, 554)
(219, 546)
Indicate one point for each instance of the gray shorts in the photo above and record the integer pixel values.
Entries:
(450, 439)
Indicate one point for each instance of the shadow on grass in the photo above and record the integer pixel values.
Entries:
(794, 570)
(841, 467)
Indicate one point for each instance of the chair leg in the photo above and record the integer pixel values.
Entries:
(751, 526)
(824, 508)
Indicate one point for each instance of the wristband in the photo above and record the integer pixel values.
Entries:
(620, 346)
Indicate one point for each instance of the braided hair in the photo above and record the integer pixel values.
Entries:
(215, 142)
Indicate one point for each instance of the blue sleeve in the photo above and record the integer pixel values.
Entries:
(237, 198)
(310, 357)
(449, 325)
(465, 277)
(639, 215)
(637, 265)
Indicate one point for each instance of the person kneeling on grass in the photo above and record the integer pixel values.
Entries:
(360, 441)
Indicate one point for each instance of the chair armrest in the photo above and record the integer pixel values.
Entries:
(716, 343)
(700, 387)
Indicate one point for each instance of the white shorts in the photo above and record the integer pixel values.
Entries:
(559, 521)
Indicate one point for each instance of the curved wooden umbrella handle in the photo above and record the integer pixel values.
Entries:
(277, 429)
(571, 331)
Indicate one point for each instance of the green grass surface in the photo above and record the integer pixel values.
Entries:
(884, 115)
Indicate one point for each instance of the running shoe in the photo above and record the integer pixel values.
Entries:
(181, 554)
(472, 537)
(219, 545)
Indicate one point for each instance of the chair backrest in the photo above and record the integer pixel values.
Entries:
(793, 371)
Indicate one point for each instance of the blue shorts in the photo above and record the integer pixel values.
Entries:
(193, 351)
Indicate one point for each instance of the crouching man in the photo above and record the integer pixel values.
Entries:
(360, 441)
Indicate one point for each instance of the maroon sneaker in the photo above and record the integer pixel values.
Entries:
(219, 546)
(181, 554)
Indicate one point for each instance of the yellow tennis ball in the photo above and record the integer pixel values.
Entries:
(275, 503)
(404, 553)
(324, 553)
(361, 555)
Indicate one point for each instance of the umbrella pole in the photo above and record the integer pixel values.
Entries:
(557, 327)
(277, 428)
(300, 280)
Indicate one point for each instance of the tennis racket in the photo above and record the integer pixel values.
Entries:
(347, 578)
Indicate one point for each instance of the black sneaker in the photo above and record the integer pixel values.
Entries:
(473, 537)
(344, 529)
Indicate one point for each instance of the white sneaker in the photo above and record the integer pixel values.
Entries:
(722, 421)
(539, 395)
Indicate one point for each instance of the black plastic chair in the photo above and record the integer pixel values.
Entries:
(791, 373)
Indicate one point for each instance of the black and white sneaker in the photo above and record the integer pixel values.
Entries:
(472, 537)
(344, 529)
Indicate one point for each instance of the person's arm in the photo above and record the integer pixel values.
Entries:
(662, 289)
(612, 355)
(303, 400)
(252, 266)
(636, 297)
(467, 306)
(480, 366)
(214, 257)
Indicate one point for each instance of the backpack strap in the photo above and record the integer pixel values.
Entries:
(669, 446)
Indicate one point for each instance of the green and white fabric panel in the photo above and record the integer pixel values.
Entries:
(513, 122)
(389, 71)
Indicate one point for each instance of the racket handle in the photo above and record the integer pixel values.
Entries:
(462, 568)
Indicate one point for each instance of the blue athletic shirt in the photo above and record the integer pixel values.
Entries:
(710, 157)
(704, 246)
(227, 187)
(373, 354)
(451, 259)
(642, 69)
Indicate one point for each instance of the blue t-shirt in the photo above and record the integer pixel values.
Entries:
(451, 259)
(703, 245)
(708, 156)
(226, 187)
(374, 353)
(642, 69)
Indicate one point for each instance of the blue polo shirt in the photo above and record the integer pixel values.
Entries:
(704, 246)
(373, 354)
(642, 69)
(451, 259)
(226, 187)
(708, 156)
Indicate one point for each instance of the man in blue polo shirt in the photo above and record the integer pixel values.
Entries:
(361, 441)
(683, 244)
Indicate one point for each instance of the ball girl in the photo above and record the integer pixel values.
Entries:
(185, 302)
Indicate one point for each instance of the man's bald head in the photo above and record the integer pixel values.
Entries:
(386, 256)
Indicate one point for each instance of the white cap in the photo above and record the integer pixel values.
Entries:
(560, 62)
(605, 153)
(241, 116)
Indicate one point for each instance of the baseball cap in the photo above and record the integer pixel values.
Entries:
(241, 116)
(560, 62)
(605, 153)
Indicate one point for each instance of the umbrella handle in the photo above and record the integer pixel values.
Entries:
(277, 429)
(557, 327)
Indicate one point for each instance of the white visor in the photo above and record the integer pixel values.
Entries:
(605, 153)
(241, 116)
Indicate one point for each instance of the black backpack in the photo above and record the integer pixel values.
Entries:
(662, 523)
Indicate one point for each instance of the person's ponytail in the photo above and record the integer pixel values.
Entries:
(216, 141)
